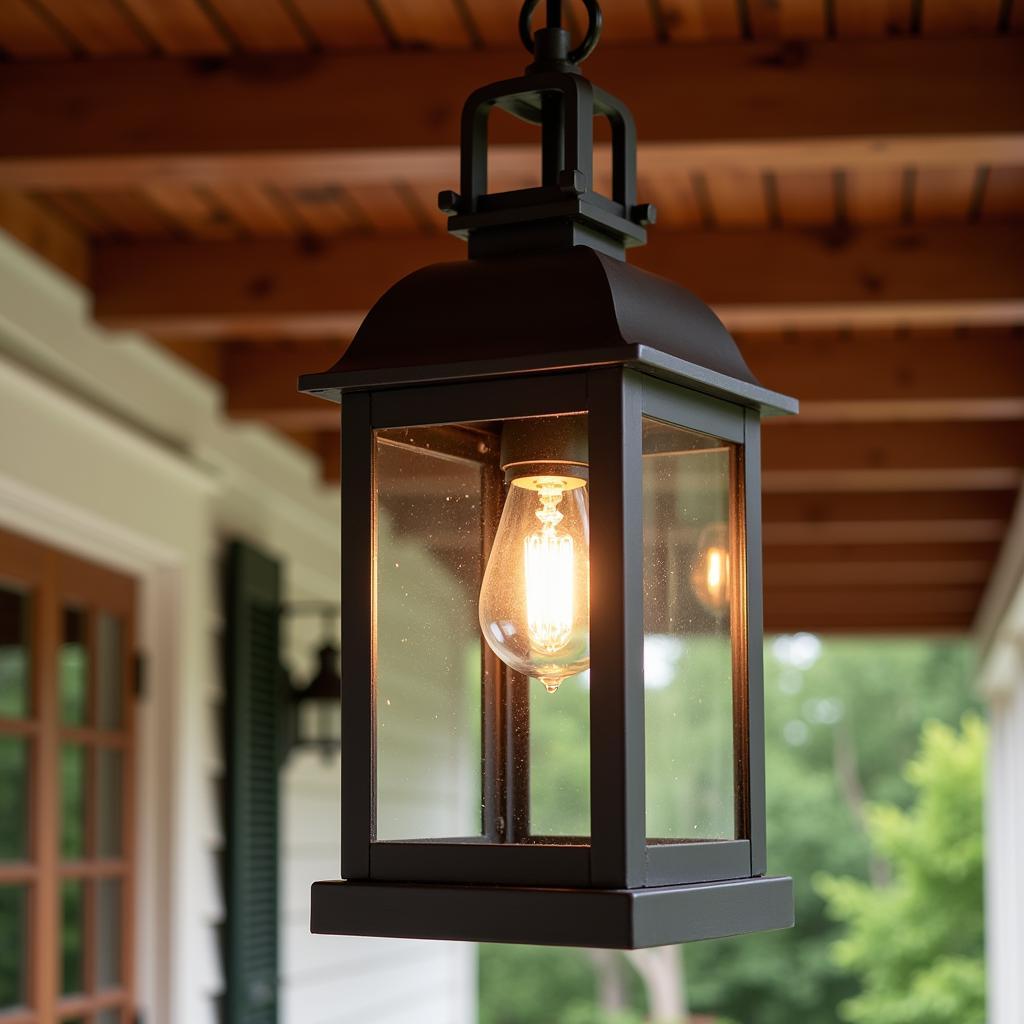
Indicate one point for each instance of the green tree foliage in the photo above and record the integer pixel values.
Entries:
(917, 944)
(843, 717)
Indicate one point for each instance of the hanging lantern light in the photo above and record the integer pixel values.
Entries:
(550, 489)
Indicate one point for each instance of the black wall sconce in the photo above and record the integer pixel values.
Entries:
(313, 710)
(550, 467)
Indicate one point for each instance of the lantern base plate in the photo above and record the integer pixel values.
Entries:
(601, 918)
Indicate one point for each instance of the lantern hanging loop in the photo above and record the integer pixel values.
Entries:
(553, 33)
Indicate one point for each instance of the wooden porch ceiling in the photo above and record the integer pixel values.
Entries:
(842, 179)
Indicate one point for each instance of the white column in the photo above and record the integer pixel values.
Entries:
(1004, 843)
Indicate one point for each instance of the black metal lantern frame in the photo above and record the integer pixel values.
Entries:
(547, 320)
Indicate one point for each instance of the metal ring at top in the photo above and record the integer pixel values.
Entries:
(594, 22)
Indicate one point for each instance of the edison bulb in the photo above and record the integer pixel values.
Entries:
(535, 598)
(712, 569)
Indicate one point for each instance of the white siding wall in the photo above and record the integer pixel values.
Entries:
(1000, 630)
(111, 449)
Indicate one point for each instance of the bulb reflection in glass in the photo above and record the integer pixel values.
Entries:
(711, 571)
(535, 598)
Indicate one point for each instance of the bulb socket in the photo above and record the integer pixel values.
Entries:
(552, 446)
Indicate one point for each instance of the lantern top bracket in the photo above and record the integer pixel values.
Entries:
(564, 209)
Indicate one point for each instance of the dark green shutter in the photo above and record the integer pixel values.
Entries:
(252, 726)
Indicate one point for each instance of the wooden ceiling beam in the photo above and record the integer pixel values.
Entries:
(358, 118)
(755, 280)
(856, 380)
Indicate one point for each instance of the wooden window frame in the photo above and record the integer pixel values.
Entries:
(53, 581)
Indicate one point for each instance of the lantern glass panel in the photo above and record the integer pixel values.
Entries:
(690, 570)
(482, 626)
(429, 566)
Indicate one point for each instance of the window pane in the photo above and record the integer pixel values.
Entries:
(108, 933)
(13, 942)
(14, 780)
(429, 569)
(109, 671)
(73, 668)
(72, 938)
(72, 802)
(689, 565)
(108, 802)
(14, 654)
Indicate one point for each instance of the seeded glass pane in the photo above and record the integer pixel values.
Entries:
(429, 567)
(108, 802)
(73, 669)
(107, 948)
(689, 563)
(72, 802)
(560, 758)
(72, 936)
(109, 671)
(14, 780)
(14, 943)
(14, 654)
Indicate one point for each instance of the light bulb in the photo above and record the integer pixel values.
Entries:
(712, 568)
(535, 598)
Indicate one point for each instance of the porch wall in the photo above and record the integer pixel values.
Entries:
(111, 449)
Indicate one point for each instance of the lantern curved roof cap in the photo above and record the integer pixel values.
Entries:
(520, 314)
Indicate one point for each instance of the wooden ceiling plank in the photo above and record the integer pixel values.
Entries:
(937, 531)
(1003, 197)
(46, 232)
(929, 553)
(872, 17)
(786, 19)
(348, 26)
(179, 27)
(102, 27)
(434, 25)
(754, 280)
(496, 21)
(874, 367)
(874, 196)
(132, 215)
(899, 481)
(255, 208)
(696, 20)
(78, 212)
(674, 199)
(737, 198)
(836, 601)
(873, 507)
(261, 26)
(960, 17)
(625, 21)
(938, 103)
(25, 33)
(875, 574)
(320, 210)
(389, 210)
(943, 193)
(841, 446)
(195, 210)
(806, 197)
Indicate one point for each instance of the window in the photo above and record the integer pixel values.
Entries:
(66, 642)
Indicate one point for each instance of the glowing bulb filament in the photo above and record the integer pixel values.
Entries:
(548, 561)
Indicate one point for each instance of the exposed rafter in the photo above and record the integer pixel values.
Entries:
(355, 118)
(938, 275)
